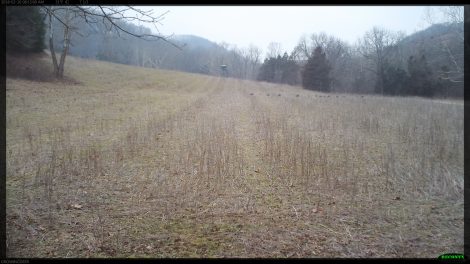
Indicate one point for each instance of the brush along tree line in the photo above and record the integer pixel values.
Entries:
(26, 27)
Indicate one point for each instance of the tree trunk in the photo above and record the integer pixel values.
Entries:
(64, 52)
(59, 67)
(51, 47)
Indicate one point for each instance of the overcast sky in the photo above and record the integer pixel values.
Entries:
(260, 25)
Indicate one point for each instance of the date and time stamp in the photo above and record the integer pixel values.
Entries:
(42, 2)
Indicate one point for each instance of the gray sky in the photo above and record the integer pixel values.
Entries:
(260, 25)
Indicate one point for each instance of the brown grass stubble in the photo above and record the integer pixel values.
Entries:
(384, 172)
(113, 184)
(59, 174)
(252, 176)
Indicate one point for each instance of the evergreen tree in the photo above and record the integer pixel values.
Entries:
(421, 81)
(277, 64)
(395, 80)
(279, 70)
(290, 70)
(316, 73)
(25, 29)
(266, 71)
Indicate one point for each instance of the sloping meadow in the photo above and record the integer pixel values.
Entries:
(135, 162)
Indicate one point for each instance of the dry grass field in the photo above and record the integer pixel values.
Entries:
(136, 162)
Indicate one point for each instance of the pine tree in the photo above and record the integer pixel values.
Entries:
(290, 70)
(266, 71)
(421, 78)
(395, 80)
(25, 29)
(316, 73)
(279, 70)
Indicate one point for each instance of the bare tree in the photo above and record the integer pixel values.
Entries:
(336, 50)
(303, 50)
(454, 17)
(235, 61)
(254, 54)
(244, 55)
(305, 47)
(376, 47)
(320, 40)
(112, 17)
(221, 55)
(453, 14)
(274, 50)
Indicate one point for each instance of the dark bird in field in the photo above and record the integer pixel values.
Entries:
(251, 93)
(267, 94)
(297, 95)
(279, 95)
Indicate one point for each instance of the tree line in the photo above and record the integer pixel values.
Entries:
(426, 63)
(381, 62)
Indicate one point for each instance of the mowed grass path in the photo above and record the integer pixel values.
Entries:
(135, 162)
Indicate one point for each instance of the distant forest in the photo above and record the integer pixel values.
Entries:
(427, 63)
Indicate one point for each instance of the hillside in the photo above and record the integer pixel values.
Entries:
(137, 162)
(443, 46)
(433, 39)
(195, 42)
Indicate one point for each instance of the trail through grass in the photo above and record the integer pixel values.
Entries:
(147, 163)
